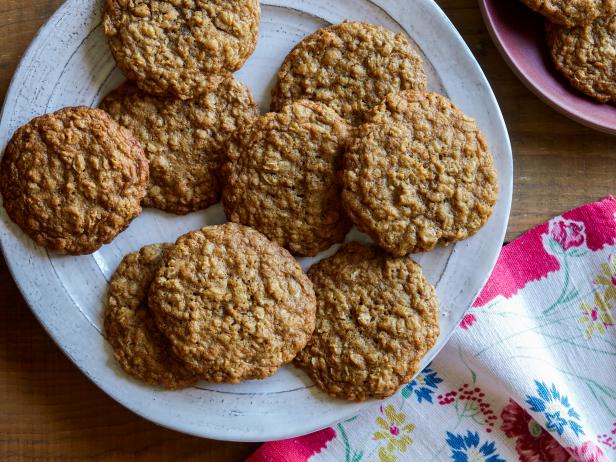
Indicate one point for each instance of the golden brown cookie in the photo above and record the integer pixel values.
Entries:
(172, 46)
(183, 139)
(234, 305)
(586, 56)
(377, 316)
(138, 345)
(73, 180)
(350, 67)
(281, 177)
(418, 174)
(572, 12)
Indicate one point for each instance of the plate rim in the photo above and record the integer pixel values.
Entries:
(209, 432)
(535, 88)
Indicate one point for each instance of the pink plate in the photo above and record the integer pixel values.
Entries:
(519, 34)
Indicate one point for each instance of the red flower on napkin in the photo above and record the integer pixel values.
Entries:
(589, 452)
(533, 443)
(515, 268)
(568, 234)
(467, 321)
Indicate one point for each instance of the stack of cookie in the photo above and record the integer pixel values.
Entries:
(354, 137)
(74, 179)
(581, 36)
(181, 101)
(222, 304)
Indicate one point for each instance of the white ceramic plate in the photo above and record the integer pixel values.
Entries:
(69, 63)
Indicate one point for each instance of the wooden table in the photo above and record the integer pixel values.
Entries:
(50, 411)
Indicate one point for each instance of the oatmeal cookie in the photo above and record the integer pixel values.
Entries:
(183, 139)
(171, 46)
(377, 316)
(350, 67)
(138, 345)
(586, 56)
(418, 174)
(572, 12)
(281, 177)
(73, 180)
(234, 305)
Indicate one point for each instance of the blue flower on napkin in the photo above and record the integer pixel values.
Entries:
(558, 412)
(466, 448)
(424, 385)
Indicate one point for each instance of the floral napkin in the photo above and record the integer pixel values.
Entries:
(530, 374)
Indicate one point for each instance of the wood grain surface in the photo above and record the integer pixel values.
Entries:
(50, 411)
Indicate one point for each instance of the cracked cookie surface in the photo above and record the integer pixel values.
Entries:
(377, 316)
(350, 67)
(586, 57)
(171, 46)
(138, 345)
(73, 180)
(234, 305)
(572, 12)
(282, 177)
(183, 140)
(418, 174)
